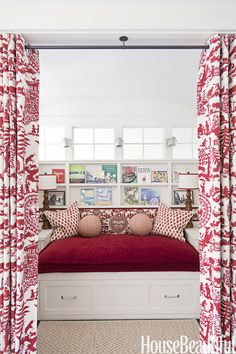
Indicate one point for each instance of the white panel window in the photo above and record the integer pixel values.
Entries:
(133, 135)
(51, 143)
(93, 144)
(83, 136)
(132, 151)
(186, 146)
(153, 151)
(143, 143)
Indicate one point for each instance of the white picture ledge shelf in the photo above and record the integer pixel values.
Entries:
(165, 190)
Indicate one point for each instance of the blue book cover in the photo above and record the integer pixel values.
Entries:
(150, 196)
(87, 196)
(104, 196)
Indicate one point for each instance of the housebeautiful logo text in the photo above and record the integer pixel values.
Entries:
(184, 345)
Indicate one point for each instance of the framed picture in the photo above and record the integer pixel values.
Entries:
(195, 215)
(180, 197)
(57, 198)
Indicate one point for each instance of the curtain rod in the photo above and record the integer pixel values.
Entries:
(115, 47)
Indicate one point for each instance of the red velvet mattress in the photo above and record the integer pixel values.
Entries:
(118, 253)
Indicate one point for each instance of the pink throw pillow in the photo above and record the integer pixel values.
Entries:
(64, 222)
(90, 226)
(171, 222)
(140, 224)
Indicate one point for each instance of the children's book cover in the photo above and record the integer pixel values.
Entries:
(94, 174)
(129, 174)
(60, 174)
(104, 196)
(150, 196)
(110, 173)
(144, 175)
(87, 196)
(159, 174)
(131, 195)
(77, 173)
(177, 170)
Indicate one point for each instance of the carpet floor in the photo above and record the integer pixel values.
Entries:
(110, 337)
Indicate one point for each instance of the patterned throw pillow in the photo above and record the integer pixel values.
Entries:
(64, 222)
(116, 220)
(170, 222)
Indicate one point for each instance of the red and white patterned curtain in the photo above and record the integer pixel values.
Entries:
(19, 104)
(216, 95)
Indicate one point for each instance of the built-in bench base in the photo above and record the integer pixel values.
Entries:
(128, 295)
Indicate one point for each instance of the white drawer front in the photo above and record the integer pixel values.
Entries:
(169, 298)
(120, 298)
(108, 296)
(64, 299)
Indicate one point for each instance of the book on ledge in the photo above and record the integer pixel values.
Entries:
(131, 196)
(87, 196)
(159, 174)
(129, 174)
(110, 173)
(104, 196)
(95, 174)
(60, 175)
(150, 196)
(77, 173)
(144, 175)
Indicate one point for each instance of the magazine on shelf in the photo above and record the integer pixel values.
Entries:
(60, 175)
(129, 174)
(104, 196)
(131, 196)
(95, 174)
(110, 173)
(159, 174)
(87, 196)
(177, 170)
(77, 173)
(150, 196)
(144, 175)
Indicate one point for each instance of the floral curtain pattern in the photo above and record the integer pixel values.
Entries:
(216, 96)
(19, 104)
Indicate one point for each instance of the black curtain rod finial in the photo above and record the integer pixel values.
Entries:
(123, 39)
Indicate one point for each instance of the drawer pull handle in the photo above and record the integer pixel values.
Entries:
(172, 297)
(68, 297)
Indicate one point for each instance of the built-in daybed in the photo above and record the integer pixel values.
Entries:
(118, 276)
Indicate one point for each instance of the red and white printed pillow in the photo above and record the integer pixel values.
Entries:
(171, 222)
(64, 222)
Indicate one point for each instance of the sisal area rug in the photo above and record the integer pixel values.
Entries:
(113, 337)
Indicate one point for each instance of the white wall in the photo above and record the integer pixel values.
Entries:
(117, 89)
(99, 88)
